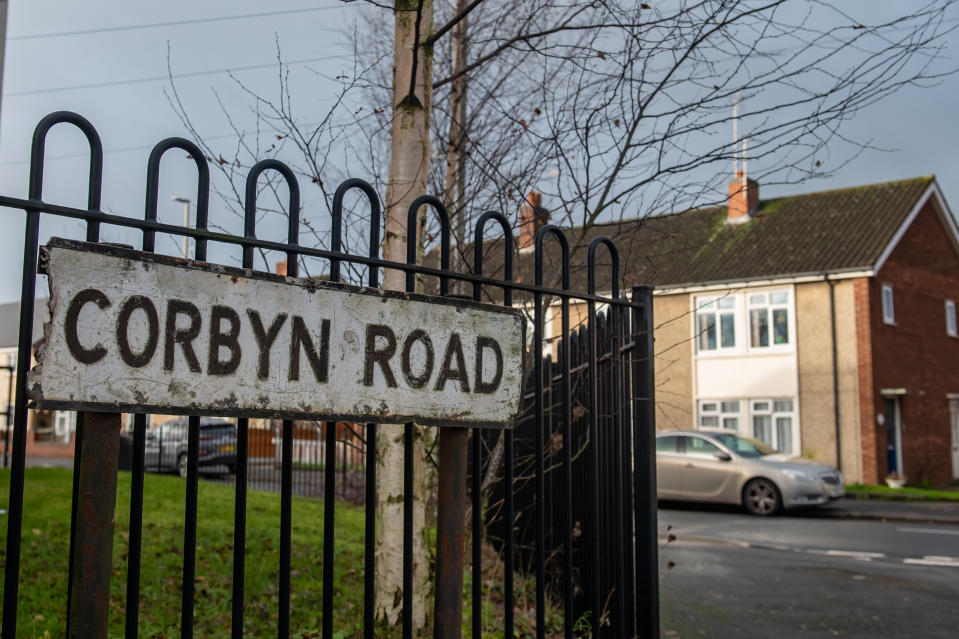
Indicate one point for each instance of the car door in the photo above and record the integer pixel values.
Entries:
(151, 449)
(668, 462)
(174, 442)
(707, 471)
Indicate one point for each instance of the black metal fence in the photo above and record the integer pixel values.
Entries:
(576, 480)
(166, 451)
(587, 531)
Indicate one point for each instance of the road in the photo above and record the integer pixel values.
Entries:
(727, 574)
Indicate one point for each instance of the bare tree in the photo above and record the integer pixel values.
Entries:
(612, 109)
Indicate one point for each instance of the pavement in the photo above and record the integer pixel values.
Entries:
(926, 512)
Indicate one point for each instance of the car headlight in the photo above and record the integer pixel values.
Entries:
(798, 475)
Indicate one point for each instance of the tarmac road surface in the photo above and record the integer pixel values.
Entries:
(727, 574)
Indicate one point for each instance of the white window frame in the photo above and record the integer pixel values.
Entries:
(756, 410)
(888, 305)
(770, 308)
(723, 411)
(717, 306)
(64, 425)
(951, 327)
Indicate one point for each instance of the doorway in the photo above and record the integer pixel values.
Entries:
(891, 413)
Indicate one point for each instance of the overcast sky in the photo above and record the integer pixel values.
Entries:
(80, 56)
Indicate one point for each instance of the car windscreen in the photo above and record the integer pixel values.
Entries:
(744, 446)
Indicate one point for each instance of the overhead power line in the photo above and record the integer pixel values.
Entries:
(171, 23)
(176, 76)
(140, 147)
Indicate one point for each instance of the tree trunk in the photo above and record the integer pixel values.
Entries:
(410, 153)
(454, 182)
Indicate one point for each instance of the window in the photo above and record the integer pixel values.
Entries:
(772, 421)
(699, 447)
(769, 319)
(951, 319)
(716, 323)
(667, 444)
(888, 310)
(64, 423)
(719, 414)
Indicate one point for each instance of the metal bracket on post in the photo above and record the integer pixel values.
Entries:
(451, 533)
(93, 561)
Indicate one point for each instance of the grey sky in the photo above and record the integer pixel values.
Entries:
(916, 125)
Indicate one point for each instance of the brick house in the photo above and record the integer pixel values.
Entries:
(823, 324)
(49, 433)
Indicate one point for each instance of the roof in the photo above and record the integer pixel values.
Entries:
(10, 322)
(824, 232)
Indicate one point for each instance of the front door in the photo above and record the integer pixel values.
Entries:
(893, 436)
(954, 427)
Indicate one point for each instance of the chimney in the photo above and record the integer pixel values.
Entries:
(743, 199)
(532, 217)
(281, 267)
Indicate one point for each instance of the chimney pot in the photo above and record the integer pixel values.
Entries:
(532, 217)
(743, 199)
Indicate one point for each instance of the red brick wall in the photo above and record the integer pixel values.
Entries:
(916, 353)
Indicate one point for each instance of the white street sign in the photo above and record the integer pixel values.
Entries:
(133, 331)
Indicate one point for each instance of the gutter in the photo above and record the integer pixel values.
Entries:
(835, 368)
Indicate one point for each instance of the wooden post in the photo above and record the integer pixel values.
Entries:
(93, 561)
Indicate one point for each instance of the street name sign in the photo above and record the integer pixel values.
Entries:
(138, 332)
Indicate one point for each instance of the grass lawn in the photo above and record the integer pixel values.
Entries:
(870, 491)
(45, 553)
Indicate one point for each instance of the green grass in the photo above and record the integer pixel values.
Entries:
(871, 491)
(45, 554)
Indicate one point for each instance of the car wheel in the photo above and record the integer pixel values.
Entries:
(761, 497)
(182, 466)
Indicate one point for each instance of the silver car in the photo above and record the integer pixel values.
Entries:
(725, 467)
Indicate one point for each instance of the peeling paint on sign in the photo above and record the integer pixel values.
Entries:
(133, 331)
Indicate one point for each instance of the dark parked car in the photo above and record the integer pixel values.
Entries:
(166, 446)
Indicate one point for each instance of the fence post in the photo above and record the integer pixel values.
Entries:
(644, 463)
(451, 533)
(97, 493)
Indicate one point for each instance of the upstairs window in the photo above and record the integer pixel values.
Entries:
(716, 323)
(769, 319)
(951, 319)
(888, 309)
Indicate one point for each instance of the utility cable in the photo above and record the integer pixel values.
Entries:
(172, 23)
(190, 74)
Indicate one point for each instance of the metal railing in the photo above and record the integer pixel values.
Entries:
(603, 367)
